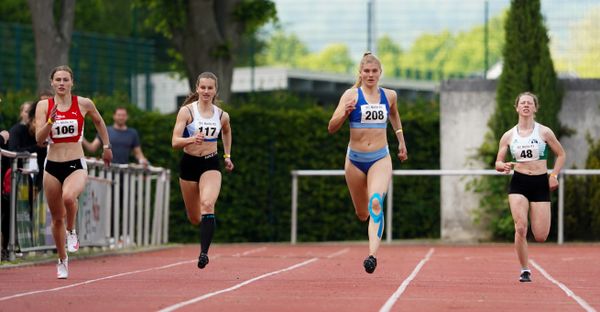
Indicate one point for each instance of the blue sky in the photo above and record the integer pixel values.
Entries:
(321, 22)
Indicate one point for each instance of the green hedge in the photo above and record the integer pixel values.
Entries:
(582, 201)
(9, 107)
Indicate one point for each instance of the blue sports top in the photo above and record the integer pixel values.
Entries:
(367, 115)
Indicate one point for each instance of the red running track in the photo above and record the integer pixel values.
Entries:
(314, 277)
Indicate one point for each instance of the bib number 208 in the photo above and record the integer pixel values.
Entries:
(374, 115)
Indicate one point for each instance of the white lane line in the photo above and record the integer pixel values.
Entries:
(341, 252)
(95, 280)
(249, 252)
(390, 302)
(112, 276)
(566, 289)
(206, 296)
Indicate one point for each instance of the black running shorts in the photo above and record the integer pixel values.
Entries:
(192, 167)
(535, 188)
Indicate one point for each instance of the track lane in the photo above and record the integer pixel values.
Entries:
(466, 278)
(480, 278)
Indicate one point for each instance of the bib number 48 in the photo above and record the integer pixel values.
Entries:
(527, 153)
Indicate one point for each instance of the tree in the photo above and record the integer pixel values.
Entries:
(390, 55)
(429, 51)
(581, 55)
(467, 55)
(15, 11)
(333, 58)
(527, 67)
(52, 37)
(284, 49)
(206, 34)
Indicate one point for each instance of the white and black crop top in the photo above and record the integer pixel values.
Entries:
(211, 127)
(530, 148)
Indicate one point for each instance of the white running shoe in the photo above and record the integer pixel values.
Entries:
(72, 241)
(62, 268)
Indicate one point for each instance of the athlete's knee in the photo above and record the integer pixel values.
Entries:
(540, 238)
(376, 211)
(69, 200)
(375, 204)
(207, 206)
(521, 229)
(58, 214)
(58, 222)
(362, 216)
(195, 220)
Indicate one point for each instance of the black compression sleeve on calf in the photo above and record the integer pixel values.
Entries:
(207, 229)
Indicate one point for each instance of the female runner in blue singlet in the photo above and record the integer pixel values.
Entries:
(368, 167)
(530, 186)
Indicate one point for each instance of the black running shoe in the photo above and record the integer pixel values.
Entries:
(525, 277)
(370, 264)
(202, 260)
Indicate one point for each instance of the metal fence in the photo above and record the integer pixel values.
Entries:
(101, 64)
(121, 206)
(390, 194)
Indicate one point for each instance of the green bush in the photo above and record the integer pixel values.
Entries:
(582, 201)
(10, 103)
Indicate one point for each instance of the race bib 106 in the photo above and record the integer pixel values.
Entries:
(65, 128)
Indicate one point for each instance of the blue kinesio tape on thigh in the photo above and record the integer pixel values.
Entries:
(377, 218)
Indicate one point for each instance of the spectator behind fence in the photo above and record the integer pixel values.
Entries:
(4, 136)
(23, 140)
(16, 137)
(124, 139)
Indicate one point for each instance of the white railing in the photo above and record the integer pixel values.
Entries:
(432, 172)
(128, 205)
(135, 189)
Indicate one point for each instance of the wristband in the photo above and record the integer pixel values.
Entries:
(399, 131)
(50, 122)
(554, 175)
(226, 156)
(107, 146)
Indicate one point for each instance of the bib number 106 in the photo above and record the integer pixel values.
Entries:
(64, 128)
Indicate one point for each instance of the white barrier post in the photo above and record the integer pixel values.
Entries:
(294, 207)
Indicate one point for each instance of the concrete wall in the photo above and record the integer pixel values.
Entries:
(466, 107)
(580, 111)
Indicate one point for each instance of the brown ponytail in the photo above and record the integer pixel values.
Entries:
(191, 98)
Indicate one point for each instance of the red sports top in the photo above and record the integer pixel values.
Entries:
(68, 126)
